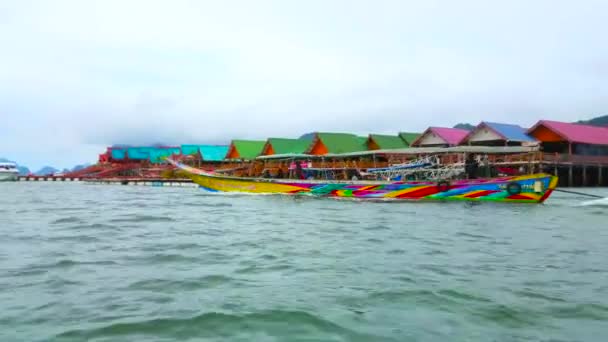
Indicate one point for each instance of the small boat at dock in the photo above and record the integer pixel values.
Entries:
(8, 172)
(534, 188)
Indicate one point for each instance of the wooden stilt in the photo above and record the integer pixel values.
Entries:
(584, 175)
(570, 176)
(599, 176)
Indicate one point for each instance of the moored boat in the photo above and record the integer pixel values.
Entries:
(8, 172)
(535, 188)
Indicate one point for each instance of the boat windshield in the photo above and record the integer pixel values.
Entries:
(8, 166)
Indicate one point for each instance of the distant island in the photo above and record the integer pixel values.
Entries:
(599, 121)
(44, 171)
(465, 126)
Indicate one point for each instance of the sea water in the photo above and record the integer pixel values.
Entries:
(85, 262)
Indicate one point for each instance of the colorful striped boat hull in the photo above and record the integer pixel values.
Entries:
(515, 189)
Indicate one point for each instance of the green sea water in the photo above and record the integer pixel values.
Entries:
(116, 263)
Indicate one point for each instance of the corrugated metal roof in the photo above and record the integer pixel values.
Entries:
(409, 137)
(139, 153)
(509, 132)
(388, 141)
(248, 149)
(208, 152)
(118, 154)
(576, 133)
(188, 150)
(213, 152)
(452, 136)
(158, 155)
(284, 145)
(341, 142)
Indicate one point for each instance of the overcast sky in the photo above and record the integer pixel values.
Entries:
(78, 75)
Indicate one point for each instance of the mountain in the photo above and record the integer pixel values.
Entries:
(47, 170)
(80, 167)
(308, 136)
(599, 121)
(465, 126)
(23, 171)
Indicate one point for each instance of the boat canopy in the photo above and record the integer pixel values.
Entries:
(412, 151)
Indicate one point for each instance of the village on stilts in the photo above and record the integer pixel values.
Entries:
(576, 153)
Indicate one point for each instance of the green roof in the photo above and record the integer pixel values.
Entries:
(284, 146)
(248, 149)
(388, 142)
(342, 142)
(409, 137)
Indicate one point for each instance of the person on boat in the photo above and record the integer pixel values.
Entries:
(485, 167)
(279, 173)
(299, 171)
(470, 166)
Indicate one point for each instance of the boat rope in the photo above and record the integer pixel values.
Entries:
(578, 193)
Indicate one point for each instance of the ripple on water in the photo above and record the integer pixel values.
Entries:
(164, 258)
(68, 263)
(580, 311)
(74, 238)
(280, 268)
(171, 286)
(298, 325)
(538, 296)
(142, 219)
(509, 316)
(67, 220)
(377, 227)
(255, 269)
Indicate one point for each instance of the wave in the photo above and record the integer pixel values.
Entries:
(602, 202)
(142, 218)
(76, 238)
(69, 219)
(276, 323)
(509, 316)
(164, 258)
(540, 296)
(444, 298)
(63, 263)
(165, 285)
(580, 311)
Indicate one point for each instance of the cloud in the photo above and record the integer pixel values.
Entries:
(80, 75)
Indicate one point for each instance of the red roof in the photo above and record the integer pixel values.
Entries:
(453, 136)
(576, 133)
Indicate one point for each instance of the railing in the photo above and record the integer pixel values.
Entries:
(556, 158)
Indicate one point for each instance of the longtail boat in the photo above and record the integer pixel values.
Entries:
(534, 188)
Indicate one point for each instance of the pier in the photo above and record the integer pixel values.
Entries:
(114, 181)
(48, 179)
(184, 183)
(577, 171)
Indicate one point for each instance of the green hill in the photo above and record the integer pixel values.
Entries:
(465, 126)
(599, 121)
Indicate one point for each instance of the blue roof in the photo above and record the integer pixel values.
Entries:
(118, 154)
(510, 132)
(189, 150)
(213, 152)
(158, 155)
